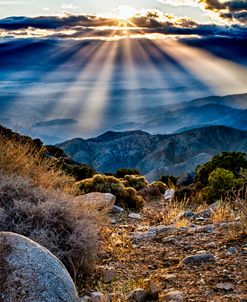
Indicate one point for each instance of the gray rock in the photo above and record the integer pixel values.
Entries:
(138, 236)
(137, 295)
(117, 209)
(166, 229)
(29, 272)
(225, 286)
(232, 250)
(173, 296)
(198, 259)
(211, 245)
(108, 273)
(169, 194)
(99, 297)
(188, 215)
(209, 228)
(207, 213)
(85, 299)
(135, 216)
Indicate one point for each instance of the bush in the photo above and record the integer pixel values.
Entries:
(125, 196)
(52, 220)
(135, 181)
(220, 182)
(231, 161)
(169, 180)
(154, 190)
(121, 173)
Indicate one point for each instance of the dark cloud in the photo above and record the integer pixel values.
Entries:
(54, 22)
(231, 10)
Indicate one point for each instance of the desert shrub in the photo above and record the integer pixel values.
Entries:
(23, 159)
(121, 173)
(78, 171)
(231, 161)
(55, 151)
(135, 181)
(220, 183)
(51, 219)
(169, 180)
(160, 185)
(184, 193)
(125, 196)
(154, 190)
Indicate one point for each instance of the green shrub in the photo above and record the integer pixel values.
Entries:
(125, 195)
(231, 161)
(169, 180)
(220, 183)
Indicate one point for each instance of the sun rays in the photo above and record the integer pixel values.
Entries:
(123, 80)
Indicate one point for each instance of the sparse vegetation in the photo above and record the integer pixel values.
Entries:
(50, 219)
(126, 196)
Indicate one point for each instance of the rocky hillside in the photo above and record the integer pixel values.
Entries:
(155, 155)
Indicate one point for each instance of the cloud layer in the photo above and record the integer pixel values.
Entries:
(143, 23)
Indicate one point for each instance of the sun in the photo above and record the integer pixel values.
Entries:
(125, 12)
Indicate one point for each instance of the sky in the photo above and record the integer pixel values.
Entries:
(47, 7)
(80, 68)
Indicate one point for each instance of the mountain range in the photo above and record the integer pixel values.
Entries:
(155, 155)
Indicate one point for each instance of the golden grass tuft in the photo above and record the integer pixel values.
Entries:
(23, 160)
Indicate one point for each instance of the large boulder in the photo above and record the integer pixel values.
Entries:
(100, 201)
(29, 272)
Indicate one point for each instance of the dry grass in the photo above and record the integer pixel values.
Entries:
(223, 212)
(171, 210)
(19, 160)
(50, 218)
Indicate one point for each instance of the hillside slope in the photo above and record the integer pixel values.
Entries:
(155, 155)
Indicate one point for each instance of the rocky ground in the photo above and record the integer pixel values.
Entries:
(192, 259)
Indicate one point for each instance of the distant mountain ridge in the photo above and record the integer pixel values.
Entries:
(155, 155)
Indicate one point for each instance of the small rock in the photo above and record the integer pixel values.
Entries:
(169, 194)
(187, 215)
(113, 221)
(169, 277)
(232, 250)
(117, 209)
(137, 295)
(210, 228)
(108, 273)
(99, 297)
(198, 259)
(85, 299)
(207, 213)
(166, 229)
(211, 245)
(225, 286)
(170, 239)
(135, 216)
(173, 296)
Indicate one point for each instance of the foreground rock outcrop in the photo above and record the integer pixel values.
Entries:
(29, 272)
